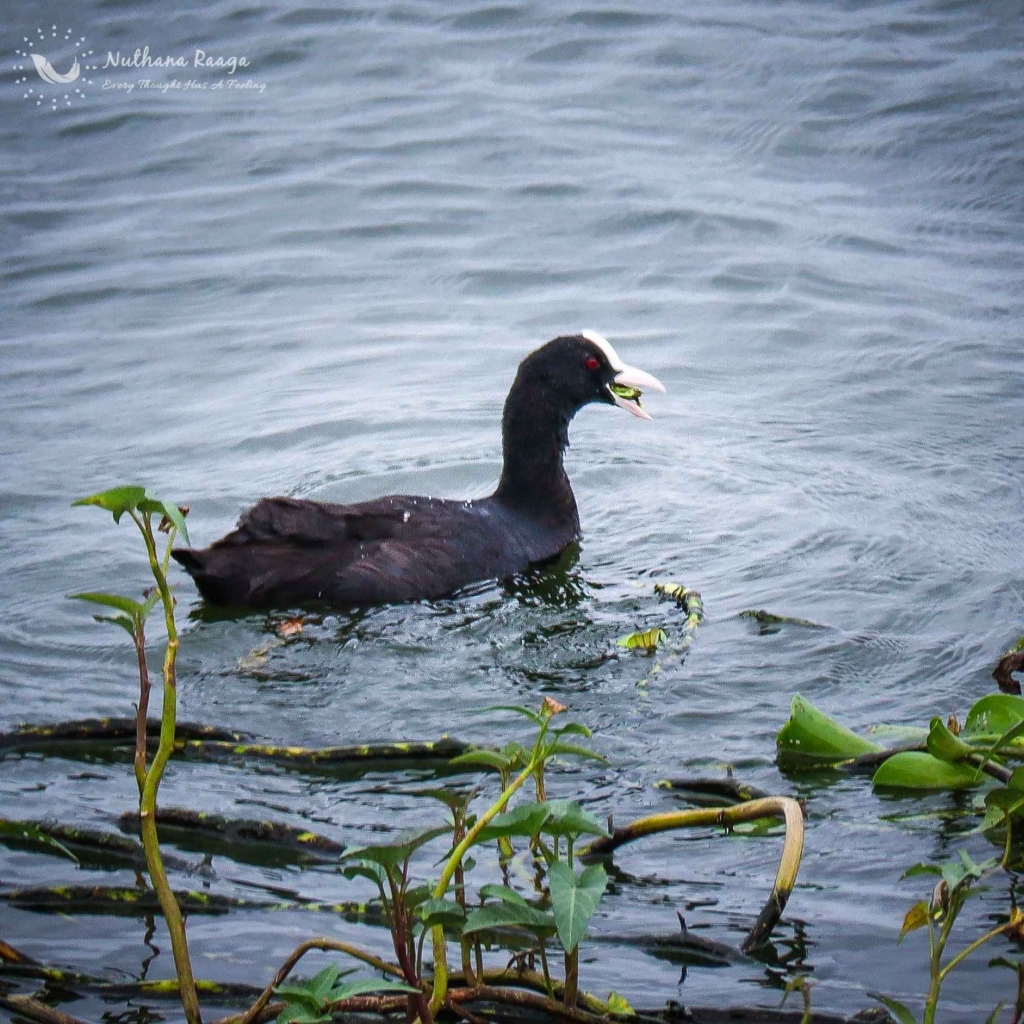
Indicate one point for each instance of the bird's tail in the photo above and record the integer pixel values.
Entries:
(215, 587)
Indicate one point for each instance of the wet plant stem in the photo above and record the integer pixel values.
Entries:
(572, 978)
(455, 859)
(401, 934)
(142, 709)
(149, 779)
(544, 966)
(939, 973)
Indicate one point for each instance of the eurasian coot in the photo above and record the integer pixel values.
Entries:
(399, 548)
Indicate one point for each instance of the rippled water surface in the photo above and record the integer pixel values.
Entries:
(805, 218)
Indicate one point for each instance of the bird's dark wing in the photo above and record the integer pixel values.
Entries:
(287, 551)
(311, 524)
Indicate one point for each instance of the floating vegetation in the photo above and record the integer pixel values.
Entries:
(209, 743)
(61, 737)
(712, 792)
(767, 620)
(239, 838)
(649, 640)
(676, 645)
(104, 899)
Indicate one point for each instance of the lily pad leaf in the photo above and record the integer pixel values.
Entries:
(915, 769)
(992, 716)
(811, 738)
(944, 744)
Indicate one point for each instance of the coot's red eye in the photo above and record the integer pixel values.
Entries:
(593, 363)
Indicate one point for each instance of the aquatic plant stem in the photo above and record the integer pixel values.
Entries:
(153, 776)
(938, 975)
(142, 708)
(726, 817)
(437, 934)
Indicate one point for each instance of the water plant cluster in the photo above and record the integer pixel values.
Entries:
(473, 951)
(984, 754)
(460, 950)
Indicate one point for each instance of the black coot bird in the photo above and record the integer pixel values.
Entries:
(400, 548)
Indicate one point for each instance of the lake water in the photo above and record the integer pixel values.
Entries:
(805, 218)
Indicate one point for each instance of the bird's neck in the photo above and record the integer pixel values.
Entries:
(534, 435)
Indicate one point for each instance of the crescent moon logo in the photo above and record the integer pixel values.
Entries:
(47, 73)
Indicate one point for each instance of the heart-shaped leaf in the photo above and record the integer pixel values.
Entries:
(574, 898)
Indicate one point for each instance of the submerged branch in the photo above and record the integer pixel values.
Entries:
(26, 1006)
(726, 817)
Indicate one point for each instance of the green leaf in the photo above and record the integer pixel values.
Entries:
(117, 500)
(944, 744)
(914, 769)
(921, 869)
(122, 604)
(510, 915)
(127, 624)
(810, 738)
(534, 716)
(348, 989)
(574, 898)
(401, 847)
(1008, 801)
(501, 892)
(1007, 739)
(916, 917)
(575, 729)
(484, 758)
(562, 749)
(166, 508)
(525, 820)
(619, 1005)
(366, 869)
(895, 1007)
(323, 982)
(647, 640)
(566, 818)
(297, 1013)
(438, 911)
(304, 995)
(992, 716)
